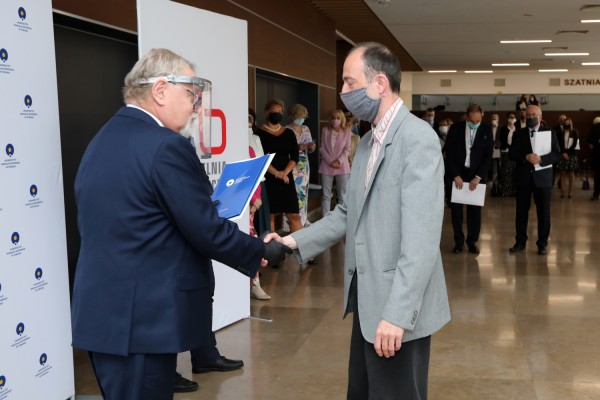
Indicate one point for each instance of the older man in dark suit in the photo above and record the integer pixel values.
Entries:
(531, 180)
(144, 283)
(469, 148)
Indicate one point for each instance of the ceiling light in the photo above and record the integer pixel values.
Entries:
(511, 65)
(448, 71)
(526, 41)
(590, 21)
(591, 63)
(553, 70)
(572, 32)
(479, 72)
(590, 7)
(567, 54)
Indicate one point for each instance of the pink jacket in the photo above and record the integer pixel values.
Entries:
(340, 152)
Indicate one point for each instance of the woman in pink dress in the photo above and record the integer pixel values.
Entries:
(334, 150)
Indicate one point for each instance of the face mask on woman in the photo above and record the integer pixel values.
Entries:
(336, 123)
(275, 117)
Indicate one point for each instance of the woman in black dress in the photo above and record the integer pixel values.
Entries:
(568, 163)
(281, 141)
(507, 166)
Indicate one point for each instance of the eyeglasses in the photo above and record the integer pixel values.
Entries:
(196, 99)
(202, 85)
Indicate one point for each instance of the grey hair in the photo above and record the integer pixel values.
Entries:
(158, 62)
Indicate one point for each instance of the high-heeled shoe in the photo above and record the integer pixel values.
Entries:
(258, 293)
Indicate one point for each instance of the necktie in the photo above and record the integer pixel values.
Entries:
(532, 132)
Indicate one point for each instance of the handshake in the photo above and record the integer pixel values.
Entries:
(274, 250)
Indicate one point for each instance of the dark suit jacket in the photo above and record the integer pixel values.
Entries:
(144, 281)
(502, 137)
(573, 134)
(481, 152)
(525, 171)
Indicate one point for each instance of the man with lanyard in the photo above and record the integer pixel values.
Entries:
(469, 148)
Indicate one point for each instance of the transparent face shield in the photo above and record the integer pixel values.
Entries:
(200, 90)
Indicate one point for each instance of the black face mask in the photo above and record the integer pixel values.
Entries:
(275, 117)
(531, 122)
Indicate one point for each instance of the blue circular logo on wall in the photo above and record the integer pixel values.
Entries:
(15, 237)
(20, 328)
(3, 55)
(22, 13)
(28, 101)
(33, 190)
(10, 150)
(39, 273)
(2, 381)
(43, 359)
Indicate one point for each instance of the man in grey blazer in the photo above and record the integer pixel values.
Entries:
(392, 220)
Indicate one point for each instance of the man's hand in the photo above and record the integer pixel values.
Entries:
(286, 240)
(565, 156)
(388, 339)
(275, 251)
(533, 158)
(458, 182)
(474, 182)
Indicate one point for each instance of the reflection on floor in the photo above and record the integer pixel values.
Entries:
(523, 326)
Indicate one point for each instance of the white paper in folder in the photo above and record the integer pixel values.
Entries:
(542, 145)
(466, 196)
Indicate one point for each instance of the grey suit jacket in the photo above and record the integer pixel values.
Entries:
(393, 230)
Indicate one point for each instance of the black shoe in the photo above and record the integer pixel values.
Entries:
(457, 249)
(223, 364)
(473, 249)
(594, 198)
(517, 248)
(184, 385)
(542, 250)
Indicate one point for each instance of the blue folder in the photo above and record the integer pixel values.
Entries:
(237, 183)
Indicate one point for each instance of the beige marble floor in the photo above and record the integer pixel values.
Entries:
(524, 326)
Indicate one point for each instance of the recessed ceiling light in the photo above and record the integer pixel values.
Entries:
(553, 70)
(526, 41)
(591, 63)
(573, 32)
(479, 72)
(566, 54)
(511, 65)
(590, 21)
(447, 71)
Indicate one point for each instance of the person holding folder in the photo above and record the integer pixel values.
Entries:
(469, 149)
(533, 177)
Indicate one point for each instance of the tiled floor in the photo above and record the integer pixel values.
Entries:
(523, 326)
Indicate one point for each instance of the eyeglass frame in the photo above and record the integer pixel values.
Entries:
(201, 83)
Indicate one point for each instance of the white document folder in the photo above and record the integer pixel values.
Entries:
(542, 145)
(466, 196)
